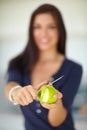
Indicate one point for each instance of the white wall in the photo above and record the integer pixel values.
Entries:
(14, 20)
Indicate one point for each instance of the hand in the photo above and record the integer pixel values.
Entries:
(50, 106)
(27, 94)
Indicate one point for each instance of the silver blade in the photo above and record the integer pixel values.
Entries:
(56, 80)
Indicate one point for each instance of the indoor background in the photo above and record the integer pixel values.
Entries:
(14, 22)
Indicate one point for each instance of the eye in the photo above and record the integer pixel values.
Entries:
(51, 27)
(36, 27)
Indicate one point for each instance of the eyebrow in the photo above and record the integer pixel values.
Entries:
(52, 24)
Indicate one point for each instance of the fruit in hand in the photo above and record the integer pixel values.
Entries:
(46, 94)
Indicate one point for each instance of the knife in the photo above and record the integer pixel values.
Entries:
(56, 80)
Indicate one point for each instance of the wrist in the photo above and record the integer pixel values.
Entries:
(11, 94)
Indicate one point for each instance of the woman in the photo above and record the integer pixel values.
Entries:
(44, 60)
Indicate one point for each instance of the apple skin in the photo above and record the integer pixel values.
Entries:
(46, 94)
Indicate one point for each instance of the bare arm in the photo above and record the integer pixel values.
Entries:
(8, 87)
(57, 113)
(24, 95)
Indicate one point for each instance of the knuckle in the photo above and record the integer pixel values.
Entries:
(22, 89)
(20, 102)
(19, 95)
(29, 87)
(27, 103)
(34, 96)
(31, 100)
(34, 93)
(23, 104)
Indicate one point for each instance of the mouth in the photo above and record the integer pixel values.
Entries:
(44, 40)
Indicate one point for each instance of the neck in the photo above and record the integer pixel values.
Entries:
(48, 55)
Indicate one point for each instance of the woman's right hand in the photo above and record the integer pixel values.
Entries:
(24, 95)
(27, 94)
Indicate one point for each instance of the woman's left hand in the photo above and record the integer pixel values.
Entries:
(59, 95)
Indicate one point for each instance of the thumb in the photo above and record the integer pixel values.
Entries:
(58, 95)
(39, 85)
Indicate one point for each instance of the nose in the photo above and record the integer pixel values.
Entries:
(43, 32)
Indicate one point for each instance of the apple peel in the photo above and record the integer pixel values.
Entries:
(46, 94)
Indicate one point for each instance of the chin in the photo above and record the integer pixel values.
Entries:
(44, 48)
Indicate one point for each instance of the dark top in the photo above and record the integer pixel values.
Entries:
(35, 115)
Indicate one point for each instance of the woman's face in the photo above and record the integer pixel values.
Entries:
(45, 32)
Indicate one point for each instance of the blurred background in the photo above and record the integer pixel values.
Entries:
(14, 23)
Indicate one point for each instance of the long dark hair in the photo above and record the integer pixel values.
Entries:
(27, 59)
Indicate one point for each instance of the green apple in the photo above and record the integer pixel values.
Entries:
(46, 94)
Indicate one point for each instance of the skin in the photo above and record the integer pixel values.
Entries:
(25, 95)
(44, 28)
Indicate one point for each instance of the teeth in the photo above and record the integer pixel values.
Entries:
(44, 40)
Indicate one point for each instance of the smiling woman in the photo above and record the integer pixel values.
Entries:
(44, 59)
(45, 31)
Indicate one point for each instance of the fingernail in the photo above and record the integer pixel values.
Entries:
(44, 104)
(61, 95)
(35, 96)
(55, 96)
(53, 105)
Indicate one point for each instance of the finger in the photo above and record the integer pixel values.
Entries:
(39, 85)
(49, 106)
(32, 91)
(59, 95)
(19, 101)
(21, 98)
(24, 100)
(45, 106)
(28, 96)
